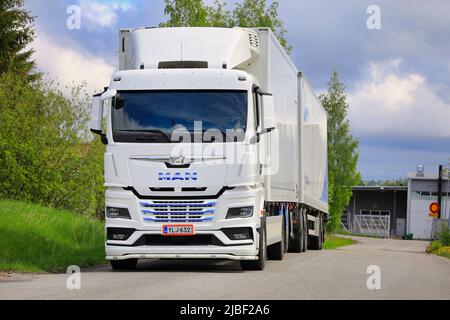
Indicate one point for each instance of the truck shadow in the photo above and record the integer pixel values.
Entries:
(194, 266)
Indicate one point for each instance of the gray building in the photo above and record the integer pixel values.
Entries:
(378, 211)
(423, 191)
(399, 211)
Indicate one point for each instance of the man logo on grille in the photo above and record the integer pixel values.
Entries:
(180, 161)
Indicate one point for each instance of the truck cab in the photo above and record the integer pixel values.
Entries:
(188, 136)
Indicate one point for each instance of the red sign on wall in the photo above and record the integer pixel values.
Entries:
(434, 210)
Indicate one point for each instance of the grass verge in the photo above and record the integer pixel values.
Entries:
(439, 249)
(362, 235)
(37, 239)
(333, 242)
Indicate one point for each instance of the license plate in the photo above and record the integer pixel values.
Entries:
(178, 230)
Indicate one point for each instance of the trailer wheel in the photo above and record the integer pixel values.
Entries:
(287, 232)
(315, 243)
(123, 265)
(258, 265)
(277, 250)
(296, 245)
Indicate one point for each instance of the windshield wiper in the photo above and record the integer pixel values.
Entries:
(145, 132)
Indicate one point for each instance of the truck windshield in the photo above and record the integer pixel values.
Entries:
(158, 116)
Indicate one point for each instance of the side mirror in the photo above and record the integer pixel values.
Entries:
(97, 113)
(268, 116)
(109, 94)
(268, 112)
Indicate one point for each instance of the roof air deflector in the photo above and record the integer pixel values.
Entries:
(183, 65)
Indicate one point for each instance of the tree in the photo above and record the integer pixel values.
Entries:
(46, 154)
(255, 13)
(249, 14)
(343, 153)
(387, 183)
(218, 15)
(16, 33)
(186, 13)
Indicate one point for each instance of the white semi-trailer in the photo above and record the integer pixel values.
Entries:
(216, 148)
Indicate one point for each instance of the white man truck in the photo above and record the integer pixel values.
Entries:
(216, 148)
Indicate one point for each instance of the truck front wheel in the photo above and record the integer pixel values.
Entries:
(277, 250)
(260, 264)
(123, 265)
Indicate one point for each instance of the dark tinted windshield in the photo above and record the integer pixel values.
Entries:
(143, 116)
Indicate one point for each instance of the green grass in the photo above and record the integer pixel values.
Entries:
(37, 239)
(333, 242)
(362, 235)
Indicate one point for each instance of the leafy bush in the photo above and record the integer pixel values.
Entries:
(47, 156)
(443, 252)
(435, 245)
(439, 249)
(444, 235)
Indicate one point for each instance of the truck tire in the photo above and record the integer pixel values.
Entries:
(123, 265)
(323, 232)
(297, 243)
(315, 243)
(305, 231)
(277, 250)
(260, 264)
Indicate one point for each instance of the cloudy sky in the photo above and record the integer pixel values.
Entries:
(397, 77)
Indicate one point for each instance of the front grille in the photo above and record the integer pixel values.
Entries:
(197, 240)
(160, 211)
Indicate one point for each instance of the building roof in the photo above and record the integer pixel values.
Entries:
(424, 176)
(380, 188)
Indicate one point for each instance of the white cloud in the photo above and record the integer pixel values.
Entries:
(69, 66)
(104, 14)
(388, 102)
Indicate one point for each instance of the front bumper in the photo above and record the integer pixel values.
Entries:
(228, 249)
(237, 253)
(184, 256)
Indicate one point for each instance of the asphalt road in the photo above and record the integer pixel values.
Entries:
(406, 273)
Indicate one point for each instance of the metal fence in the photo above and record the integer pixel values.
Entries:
(372, 225)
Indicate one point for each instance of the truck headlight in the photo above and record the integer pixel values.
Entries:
(244, 212)
(117, 213)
